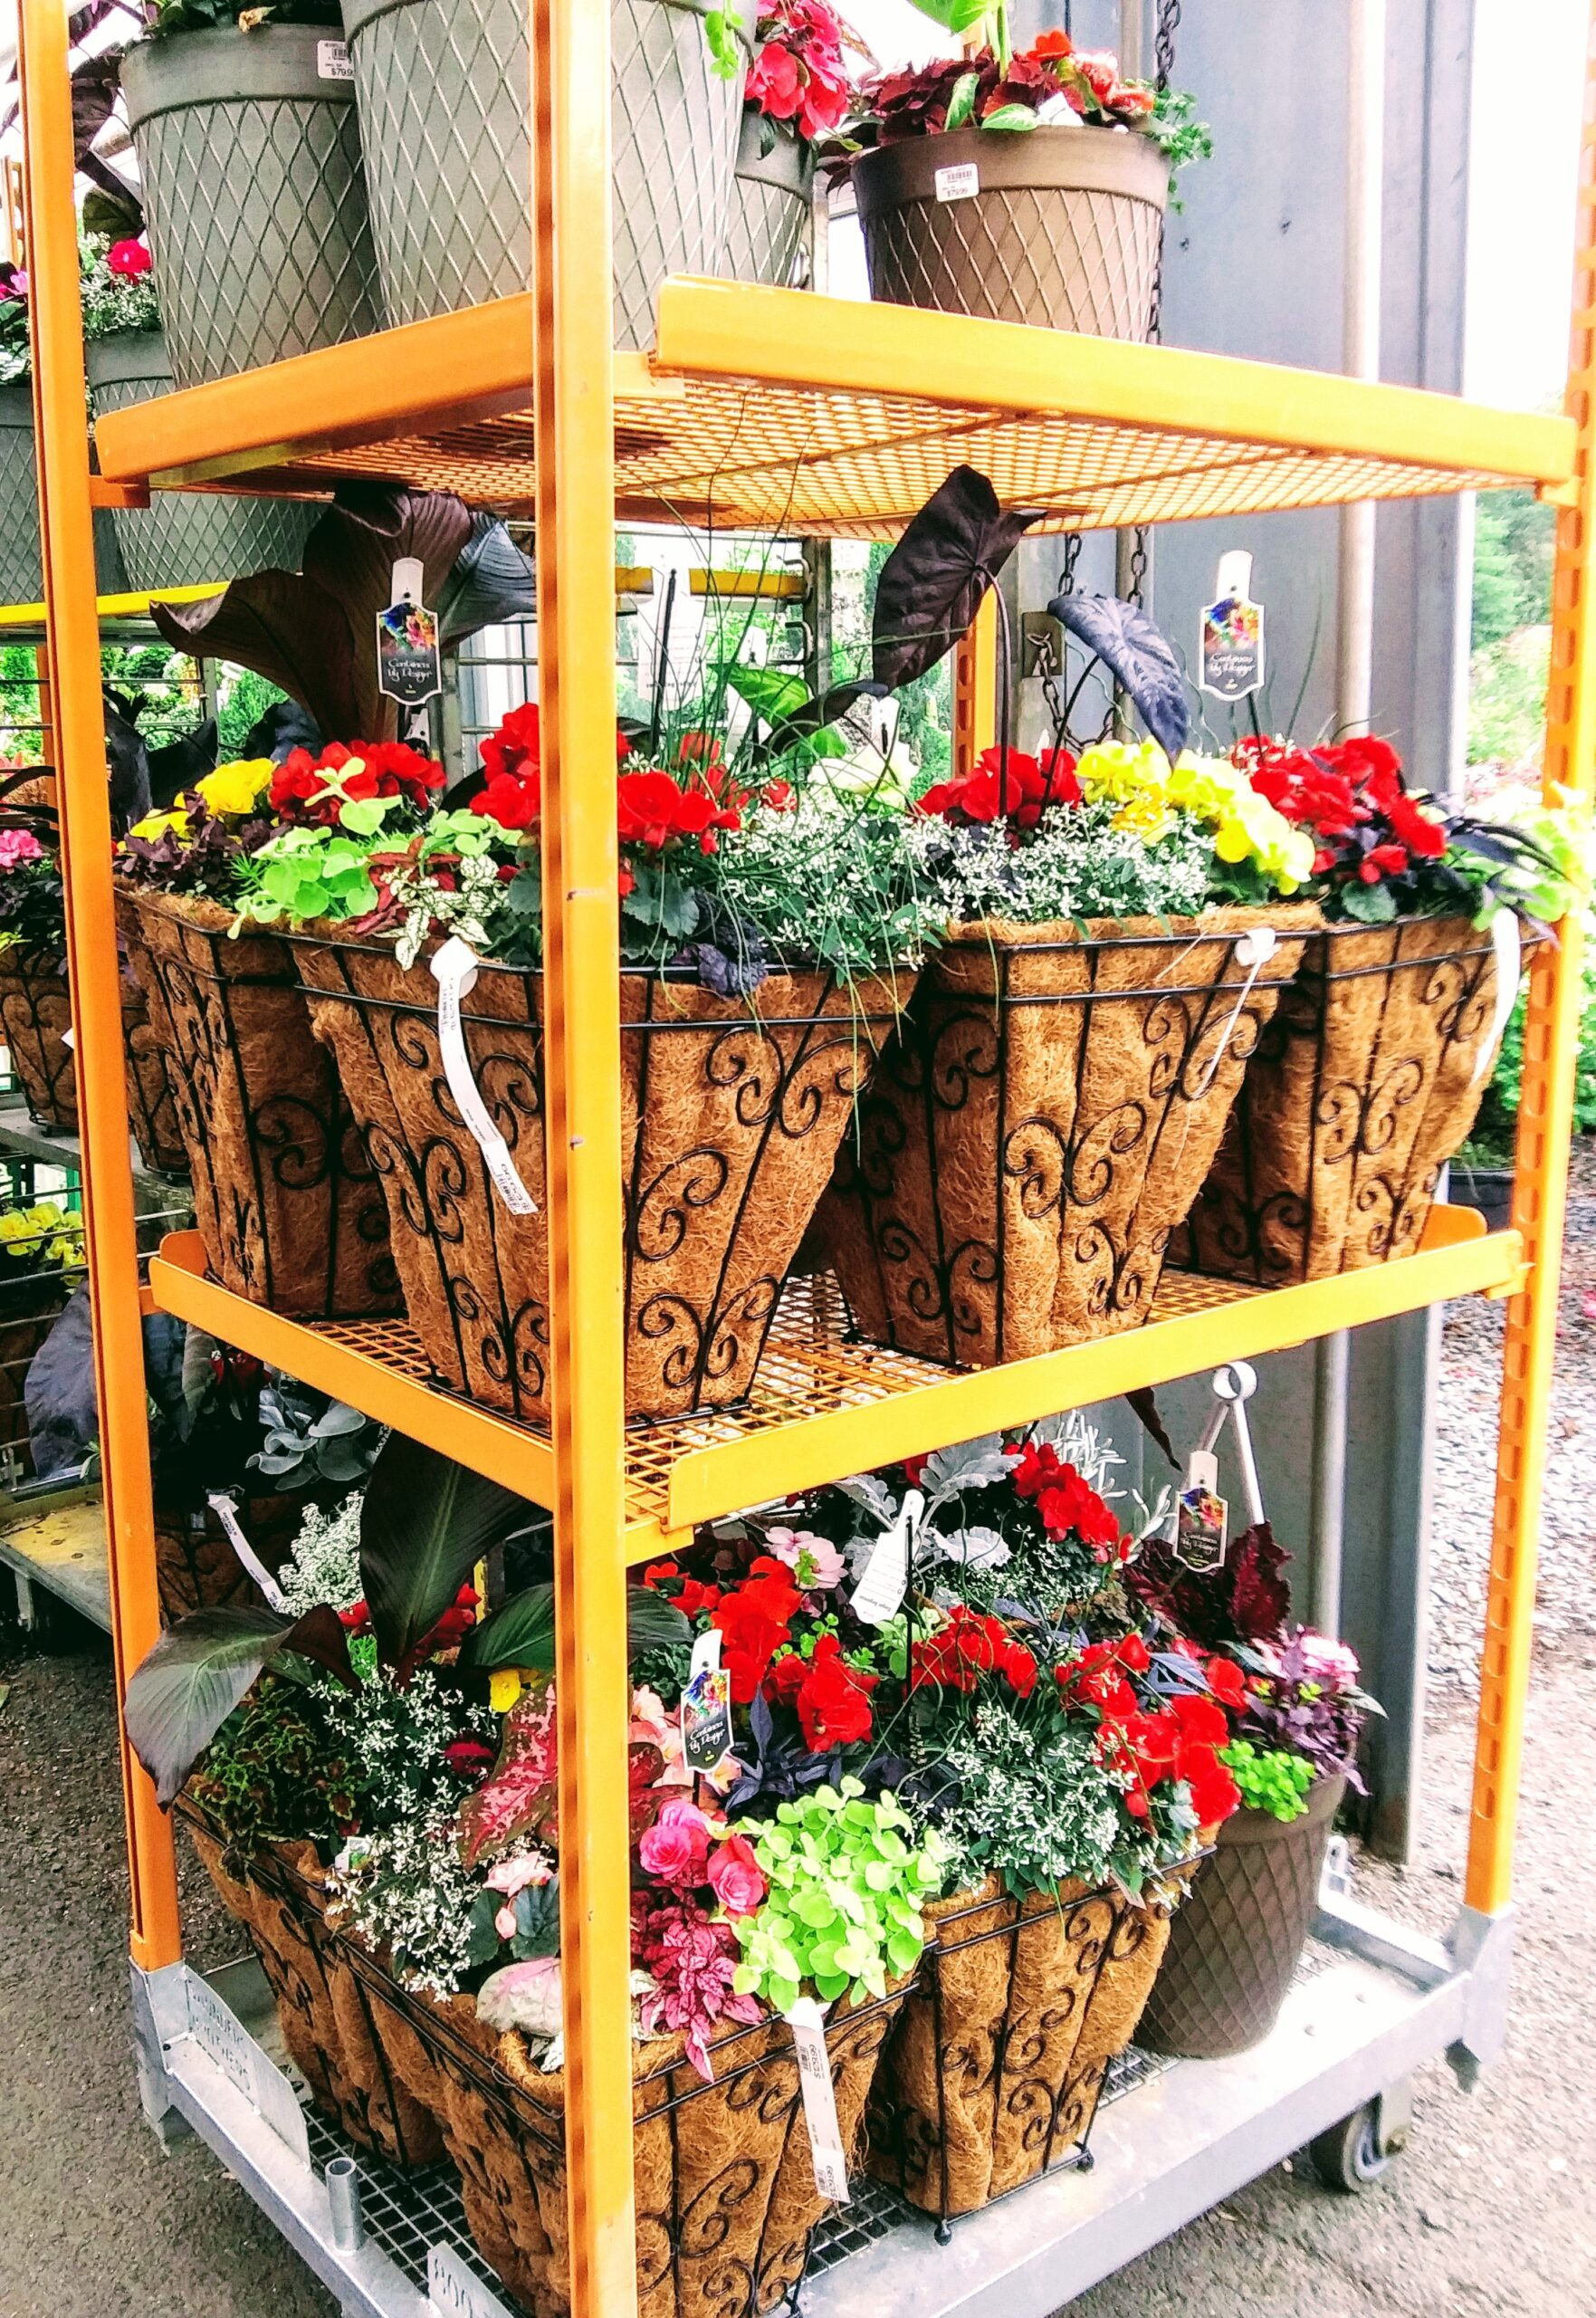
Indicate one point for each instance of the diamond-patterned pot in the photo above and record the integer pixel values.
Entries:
(1059, 227)
(1236, 1944)
(771, 224)
(22, 574)
(442, 94)
(249, 155)
(183, 539)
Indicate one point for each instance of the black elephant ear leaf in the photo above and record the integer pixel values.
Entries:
(826, 708)
(490, 581)
(1140, 659)
(200, 1669)
(932, 584)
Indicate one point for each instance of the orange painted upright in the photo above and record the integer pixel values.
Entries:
(66, 530)
(1545, 1124)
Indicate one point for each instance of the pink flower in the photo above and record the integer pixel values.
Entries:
(130, 258)
(513, 1875)
(815, 1561)
(735, 1876)
(676, 1849)
(18, 846)
(691, 1961)
(504, 1923)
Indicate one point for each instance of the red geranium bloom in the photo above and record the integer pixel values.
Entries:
(834, 1699)
(1067, 1504)
(754, 1622)
(514, 800)
(786, 1679)
(1013, 786)
(1223, 1679)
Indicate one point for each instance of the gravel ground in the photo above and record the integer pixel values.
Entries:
(1486, 2212)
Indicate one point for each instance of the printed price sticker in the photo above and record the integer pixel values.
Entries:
(826, 2149)
(452, 2290)
(333, 61)
(879, 1595)
(253, 2073)
(454, 970)
(958, 184)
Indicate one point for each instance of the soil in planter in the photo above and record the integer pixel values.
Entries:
(285, 1197)
(1041, 1123)
(993, 2072)
(732, 1112)
(725, 2185)
(1363, 1085)
(280, 1901)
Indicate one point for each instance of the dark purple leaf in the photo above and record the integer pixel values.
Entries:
(933, 584)
(1140, 657)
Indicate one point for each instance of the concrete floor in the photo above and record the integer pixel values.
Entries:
(1490, 2210)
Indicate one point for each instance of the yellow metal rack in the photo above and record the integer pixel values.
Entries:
(801, 414)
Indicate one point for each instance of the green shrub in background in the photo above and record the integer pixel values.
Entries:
(1491, 1144)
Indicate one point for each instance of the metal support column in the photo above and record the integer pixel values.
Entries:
(975, 687)
(574, 409)
(1546, 1123)
(66, 533)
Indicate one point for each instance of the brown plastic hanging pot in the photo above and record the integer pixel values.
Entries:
(1056, 226)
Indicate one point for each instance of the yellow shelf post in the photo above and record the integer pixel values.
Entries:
(574, 402)
(78, 743)
(1545, 1124)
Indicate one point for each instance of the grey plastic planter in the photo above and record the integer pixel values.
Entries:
(250, 160)
(184, 539)
(443, 94)
(770, 227)
(22, 574)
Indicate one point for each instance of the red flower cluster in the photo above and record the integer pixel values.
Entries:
(1179, 1740)
(799, 74)
(754, 1621)
(309, 788)
(512, 758)
(1019, 790)
(968, 1647)
(832, 1698)
(915, 104)
(1351, 796)
(1067, 1505)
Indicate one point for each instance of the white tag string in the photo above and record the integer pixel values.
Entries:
(222, 1507)
(1509, 955)
(454, 970)
(1253, 950)
(814, 2065)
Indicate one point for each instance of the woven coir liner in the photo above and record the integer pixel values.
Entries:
(284, 1195)
(732, 1114)
(278, 1896)
(195, 1568)
(1363, 1085)
(993, 2072)
(725, 2188)
(1042, 1121)
(35, 1014)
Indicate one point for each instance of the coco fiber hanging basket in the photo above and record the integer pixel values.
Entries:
(725, 2185)
(1042, 1121)
(35, 1016)
(1363, 1085)
(732, 1113)
(285, 1198)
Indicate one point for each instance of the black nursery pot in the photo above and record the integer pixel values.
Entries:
(1238, 1941)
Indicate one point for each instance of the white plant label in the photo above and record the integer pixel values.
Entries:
(1230, 641)
(454, 970)
(332, 61)
(454, 2292)
(223, 1508)
(879, 1595)
(1504, 942)
(959, 183)
(253, 2073)
(814, 2067)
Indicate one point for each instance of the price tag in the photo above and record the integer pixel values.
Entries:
(958, 184)
(706, 1705)
(826, 2149)
(455, 2292)
(1202, 1517)
(230, 2048)
(222, 1507)
(454, 970)
(879, 1595)
(332, 61)
(1231, 644)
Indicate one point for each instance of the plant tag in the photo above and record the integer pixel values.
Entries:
(1230, 645)
(223, 1508)
(409, 662)
(69, 1039)
(814, 2067)
(959, 183)
(706, 1705)
(332, 61)
(455, 2291)
(879, 1595)
(1509, 955)
(230, 2048)
(454, 970)
(1202, 1517)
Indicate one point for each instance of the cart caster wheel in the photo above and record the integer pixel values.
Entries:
(944, 2232)
(1348, 2157)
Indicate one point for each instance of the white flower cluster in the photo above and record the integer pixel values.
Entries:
(1035, 1809)
(324, 1565)
(398, 1736)
(405, 1891)
(1078, 865)
(825, 879)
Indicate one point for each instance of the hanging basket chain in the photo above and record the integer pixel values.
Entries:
(1164, 53)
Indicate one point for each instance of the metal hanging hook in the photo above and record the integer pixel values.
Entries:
(1234, 1387)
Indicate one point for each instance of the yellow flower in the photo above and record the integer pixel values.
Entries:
(155, 825)
(1147, 817)
(237, 788)
(504, 1687)
(1119, 769)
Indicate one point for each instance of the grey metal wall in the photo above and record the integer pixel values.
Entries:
(1254, 267)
